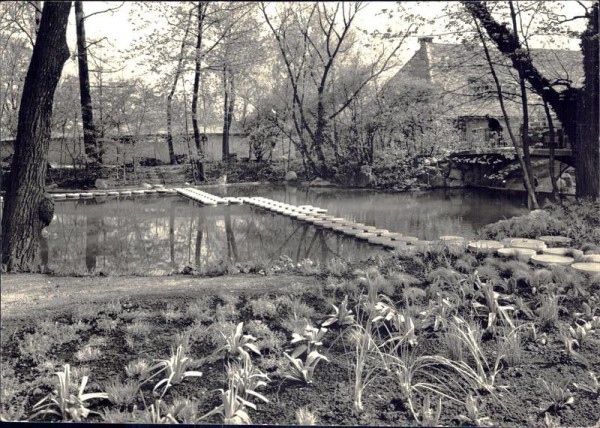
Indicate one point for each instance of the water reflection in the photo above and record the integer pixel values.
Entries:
(160, 234)
(157, 235)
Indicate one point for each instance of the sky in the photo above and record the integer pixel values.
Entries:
(119, 31)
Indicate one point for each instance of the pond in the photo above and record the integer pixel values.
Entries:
(155, 235)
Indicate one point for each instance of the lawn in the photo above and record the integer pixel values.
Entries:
(437, 336)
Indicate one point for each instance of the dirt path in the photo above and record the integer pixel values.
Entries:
(24, 295)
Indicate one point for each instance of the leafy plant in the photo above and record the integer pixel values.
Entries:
(238, 344)
(247, 378)
(473, 416)
(303, 371)
(175, 366)
(63, 403)
(342, 315)
(592, 387)
(137, 368)
(560, 395)
(233, 406)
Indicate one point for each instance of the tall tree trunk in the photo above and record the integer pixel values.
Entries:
(588, 148)
(178, 71)
(27, 210)
(532, 200)
(90, 143)
(228, 106)
(202, 7)
(528, 185)
(553, 177)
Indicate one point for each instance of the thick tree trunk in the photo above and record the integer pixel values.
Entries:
(90, 142)
(27, 210)
(576, 108)
(198, 60)
(588, 148)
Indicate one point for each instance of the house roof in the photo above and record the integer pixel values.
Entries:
(461, 74)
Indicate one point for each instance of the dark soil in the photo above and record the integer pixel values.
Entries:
(82, 302)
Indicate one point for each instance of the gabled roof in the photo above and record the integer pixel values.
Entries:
(463, 77)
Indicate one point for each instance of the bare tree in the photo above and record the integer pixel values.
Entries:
(578, 109)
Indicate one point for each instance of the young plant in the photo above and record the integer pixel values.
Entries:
(176, 367)
(592, 387)
(305, 417)
(481, 376)
(548, 311)
(560, 396)
(303, 371)
(233, 406)
(365, 368)
(67, 405)
(430, 416)
(121, 393)
(473, 415)
(342, 315)
(310, 340)
(238, 344)
(247, 378)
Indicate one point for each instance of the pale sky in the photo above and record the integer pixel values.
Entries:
(118, 30)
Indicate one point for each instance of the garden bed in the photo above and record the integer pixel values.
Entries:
(490, 341)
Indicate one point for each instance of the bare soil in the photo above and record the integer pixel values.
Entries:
(26, 295)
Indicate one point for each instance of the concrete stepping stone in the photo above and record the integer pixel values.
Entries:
(587, 267)
(365, 236)
(591, 258)
(485, 246)
(86, 195)
(113, 193)
(532, 244)
(452, 238)
(341, 229)
(555, 240)
(523, 254)
(379, 232)
(390, 235)
(59, 196)
(150, 191)
(72, 195)
(409, 239)
(561, 251)
(329, 225)
(137, 192)
(96, 194)
(549, 260)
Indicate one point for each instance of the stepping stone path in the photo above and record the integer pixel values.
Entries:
(555, 240)
(587, 267)
(532, 244)
(452, 238)
(523, 254)
(591, 258)
(485, 246)
(561, 251)
(549, 260)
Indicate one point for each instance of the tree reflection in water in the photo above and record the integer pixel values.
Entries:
(159, 235)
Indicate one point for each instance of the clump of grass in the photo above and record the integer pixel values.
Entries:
(200, 310)
(121, 393)
(137, 368)
(87, 353)
(107, 325)
(228, 311)
(138, 328)
(547, 311)
(305, 417)
(266, 339)
(263, 307)
(171, 313)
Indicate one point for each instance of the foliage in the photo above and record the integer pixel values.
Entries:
(64, 403)
(175, 366)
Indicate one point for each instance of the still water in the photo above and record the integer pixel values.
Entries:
(156, 235)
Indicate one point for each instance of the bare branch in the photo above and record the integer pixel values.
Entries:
(112, 9)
